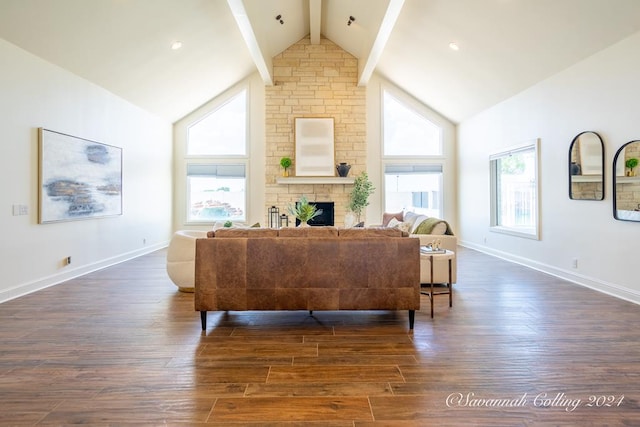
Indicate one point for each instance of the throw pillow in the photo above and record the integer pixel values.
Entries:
(387, 217)
(410, 218)
(402, 226)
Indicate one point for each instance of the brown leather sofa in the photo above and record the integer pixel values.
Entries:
(313, 268)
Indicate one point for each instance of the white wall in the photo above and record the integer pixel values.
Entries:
(34, 94)
(598, 94)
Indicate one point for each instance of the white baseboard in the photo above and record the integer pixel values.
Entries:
(27, 288)
(579, 279)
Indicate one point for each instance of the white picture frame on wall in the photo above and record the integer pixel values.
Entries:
(314, 147)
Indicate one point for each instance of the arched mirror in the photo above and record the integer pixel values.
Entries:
(626, 182)
(586, 167)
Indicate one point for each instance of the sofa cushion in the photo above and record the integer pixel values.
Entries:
(387, 217)
(313, 231)
(246, 232)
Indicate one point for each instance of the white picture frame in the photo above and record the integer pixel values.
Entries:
(314, 147)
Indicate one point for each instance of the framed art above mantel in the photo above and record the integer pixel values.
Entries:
(314, 147)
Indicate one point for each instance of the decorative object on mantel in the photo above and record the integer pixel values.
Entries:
(304, 211)
(284, 221)
(285, 162)
(576, 169)
(630, 164)
(359, 197)
(343, 169)
(274, 217)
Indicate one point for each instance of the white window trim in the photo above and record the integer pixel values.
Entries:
(245, 159)
(494, 227)
(438, 159)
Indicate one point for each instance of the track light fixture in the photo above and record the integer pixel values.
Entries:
(279, 19)
(351, 19)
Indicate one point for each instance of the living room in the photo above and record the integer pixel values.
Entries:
(94, 331)
(596, 94)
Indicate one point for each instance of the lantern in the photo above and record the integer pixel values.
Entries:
(284, 220)
(274, 217)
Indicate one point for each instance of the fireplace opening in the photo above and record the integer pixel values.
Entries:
(325, 218)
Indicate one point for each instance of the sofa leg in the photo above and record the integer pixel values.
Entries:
(310, 312)
(203, 320)
(412, 318)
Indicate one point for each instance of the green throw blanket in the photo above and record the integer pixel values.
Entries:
(426, 226)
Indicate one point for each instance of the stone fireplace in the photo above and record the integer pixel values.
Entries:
(314, 81)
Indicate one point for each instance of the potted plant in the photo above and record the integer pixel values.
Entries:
(304, 211)
(359, 197)
(285, 162)
(631, 163)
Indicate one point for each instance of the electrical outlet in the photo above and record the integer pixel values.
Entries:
(574, 263)
(68, 260)
(20, 210)
(144, 241)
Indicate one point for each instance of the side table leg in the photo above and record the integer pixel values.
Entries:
(431, 272)
(450, 285)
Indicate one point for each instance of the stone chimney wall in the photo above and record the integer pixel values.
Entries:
(314, 81)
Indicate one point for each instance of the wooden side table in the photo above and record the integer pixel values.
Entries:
(448, 256)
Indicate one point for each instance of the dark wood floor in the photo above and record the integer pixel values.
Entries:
(122, 346)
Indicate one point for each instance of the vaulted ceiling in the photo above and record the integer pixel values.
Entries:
(505, 46)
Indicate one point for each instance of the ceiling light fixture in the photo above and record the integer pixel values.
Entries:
(454, 46)
(176, 45)
(279, 19)
(351, 19)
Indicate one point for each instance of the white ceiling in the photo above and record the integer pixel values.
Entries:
(505, 45)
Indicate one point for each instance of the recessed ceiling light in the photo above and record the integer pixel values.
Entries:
(176, 45)
(454, 46)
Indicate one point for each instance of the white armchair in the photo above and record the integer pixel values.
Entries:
(181, 258)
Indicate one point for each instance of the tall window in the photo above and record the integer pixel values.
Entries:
(217, 163)
(412, 156)
(514, 191)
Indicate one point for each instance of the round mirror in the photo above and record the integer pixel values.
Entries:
(586, 167)
(626, 182)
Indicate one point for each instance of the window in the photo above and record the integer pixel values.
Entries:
(222, 132)
(216, 162)
(413, 178)
(514, 191)
(407, 132)
(216, 192)
(416, 188)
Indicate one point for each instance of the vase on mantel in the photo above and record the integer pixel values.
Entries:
(343, 169)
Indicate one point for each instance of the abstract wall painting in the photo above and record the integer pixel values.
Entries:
(78, 178)
(314, 146)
